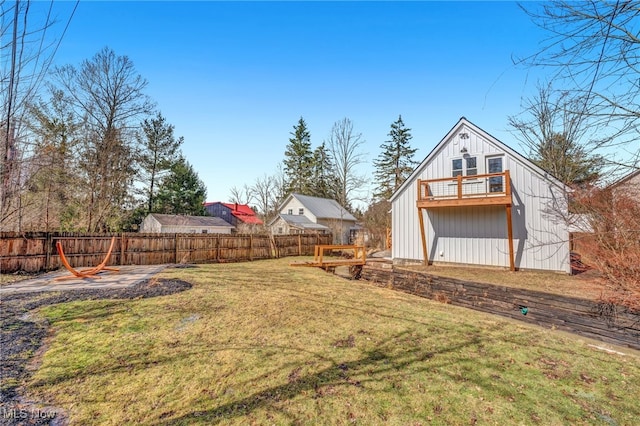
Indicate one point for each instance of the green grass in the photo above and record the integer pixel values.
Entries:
(264, 343)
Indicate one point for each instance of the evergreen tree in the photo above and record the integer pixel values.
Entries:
(323, 175)
(567, 160)
(160, 150)
(181, 191)
(558, 137)
(299, 160)
(395, 163)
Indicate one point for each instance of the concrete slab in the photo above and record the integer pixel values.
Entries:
(127, 276)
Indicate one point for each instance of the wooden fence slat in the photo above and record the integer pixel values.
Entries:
(32, 252)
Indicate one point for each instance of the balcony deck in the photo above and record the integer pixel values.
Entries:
(492, 189)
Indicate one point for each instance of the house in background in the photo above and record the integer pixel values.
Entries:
(238, 215)
(475, 201)
(179, 224)
(304, 214)
(629, 184)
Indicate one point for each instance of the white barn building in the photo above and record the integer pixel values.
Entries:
(182, 224)
(480, 203)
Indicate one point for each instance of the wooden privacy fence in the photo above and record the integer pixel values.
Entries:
(36, 251)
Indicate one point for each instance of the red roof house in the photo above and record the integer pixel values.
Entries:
(233, 213)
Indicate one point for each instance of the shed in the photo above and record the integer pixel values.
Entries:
(182, 224)
(475, 201)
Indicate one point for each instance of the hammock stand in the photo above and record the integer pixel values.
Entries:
(85, 273)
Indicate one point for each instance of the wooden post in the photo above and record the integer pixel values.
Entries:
(424, 237)
(507, 183)
(507, 189)
(218, 247)
(47, 260)
(175, 256)
(512, 265)
(250, 246)
(299, 245)
(122, 248)
(459, 186)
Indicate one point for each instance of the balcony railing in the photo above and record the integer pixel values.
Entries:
(475, 190)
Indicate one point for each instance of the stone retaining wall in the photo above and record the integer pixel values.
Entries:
(596, 320)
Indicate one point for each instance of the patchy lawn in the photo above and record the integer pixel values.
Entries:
(265, 343)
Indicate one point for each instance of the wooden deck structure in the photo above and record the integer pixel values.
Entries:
(492, 189)
(323, 258)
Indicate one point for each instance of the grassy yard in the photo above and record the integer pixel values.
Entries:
(264, 343)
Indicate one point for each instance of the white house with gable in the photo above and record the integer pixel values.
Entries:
(306, 214)
(475, 201)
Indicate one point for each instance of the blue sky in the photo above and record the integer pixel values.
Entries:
(234, 77)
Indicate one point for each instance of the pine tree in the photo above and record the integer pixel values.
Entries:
(160, 150)
(299, 160)
(323, 175)
(567, 160)
(395, 163)
(181, 191)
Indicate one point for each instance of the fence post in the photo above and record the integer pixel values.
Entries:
(122, 248)
(218, 248)
(299, 245)
(175, 257)
(47, 261)
(250, 247)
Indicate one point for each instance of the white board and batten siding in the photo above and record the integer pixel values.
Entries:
(478, 235)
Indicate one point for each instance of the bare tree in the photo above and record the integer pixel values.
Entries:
(109, 92)
(263, 191)
(555, 134)
(50, 202)
(242, 195)
(280, 187)
(594, 49)
(344, 145)
(27, 46)
(613, 245)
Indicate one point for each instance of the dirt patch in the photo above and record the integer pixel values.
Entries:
(22, 335)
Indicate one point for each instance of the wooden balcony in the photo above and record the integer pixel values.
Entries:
(492, 189)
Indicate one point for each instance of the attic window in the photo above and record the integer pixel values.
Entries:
(300, 210)
(470, 166)
(456, 167)
(290, 211)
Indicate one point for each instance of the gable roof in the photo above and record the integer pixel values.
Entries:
(300, 221)
(489, 138)
(626, 178)
(321, 208)
(242, 212)
(183, 220)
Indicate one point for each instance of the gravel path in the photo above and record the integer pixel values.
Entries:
(21, 335)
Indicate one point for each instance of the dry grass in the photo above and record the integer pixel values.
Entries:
(264, 343)
(6, 279)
